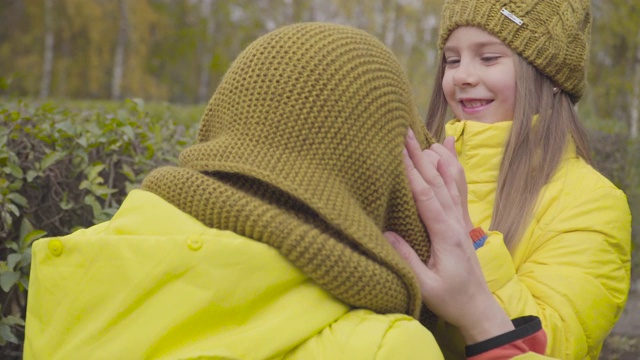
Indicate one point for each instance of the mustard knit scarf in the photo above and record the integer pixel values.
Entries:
(300, 148)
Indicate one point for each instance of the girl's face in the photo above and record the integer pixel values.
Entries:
(479, 80)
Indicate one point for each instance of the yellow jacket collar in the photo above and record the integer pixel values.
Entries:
(480, 147)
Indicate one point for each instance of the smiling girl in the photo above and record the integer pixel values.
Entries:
(550, 234)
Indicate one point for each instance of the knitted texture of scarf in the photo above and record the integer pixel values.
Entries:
(300, 148)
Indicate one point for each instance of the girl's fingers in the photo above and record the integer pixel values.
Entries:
(406, 252)
(451, 186)
(438, 220)
(451, 158)
(447, 152)
(450, 144)
(413, 147)
(423, 194)
(426, 165)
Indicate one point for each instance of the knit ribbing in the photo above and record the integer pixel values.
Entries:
(300, 148)
(554, 35)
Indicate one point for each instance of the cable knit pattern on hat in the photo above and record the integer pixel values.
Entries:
(300, 147)
(554, 35)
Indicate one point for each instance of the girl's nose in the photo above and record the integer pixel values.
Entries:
(465, 75)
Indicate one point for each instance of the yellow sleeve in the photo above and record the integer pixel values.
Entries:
(362, 334)
(575, 275)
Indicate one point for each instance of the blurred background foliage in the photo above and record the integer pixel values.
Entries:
(177, 50)
(95, 93)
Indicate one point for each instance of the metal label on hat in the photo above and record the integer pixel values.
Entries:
(512, 17)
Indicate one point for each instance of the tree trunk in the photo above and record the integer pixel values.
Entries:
(206, 11)
(389, 25)
(47, 63)
(119, 56)
(635, 99)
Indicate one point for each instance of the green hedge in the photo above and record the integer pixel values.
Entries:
(62, 169)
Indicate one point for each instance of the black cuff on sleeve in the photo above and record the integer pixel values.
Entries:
(524, 326)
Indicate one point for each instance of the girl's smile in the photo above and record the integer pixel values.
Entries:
(479, 81)
(473, 106)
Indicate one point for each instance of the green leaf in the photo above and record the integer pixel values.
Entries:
(14, 209)
(6, 219)
(26, 257)
(15, 170)
(66, 126)
(12, 320)
(12, 260)
(31, 174)
(128, 172)
(7, 335)
(128, 130)
(47, 107)
(95, 205)
(82, 141)
(93, 171)
(50, 159)
(8, 279)
(25, 228)
(102, 190)
(139, 102)
(32, 236)
(25, 282)
(12, 245)
(16, 185)
(85, 184)
(18, 199)
(65, 204)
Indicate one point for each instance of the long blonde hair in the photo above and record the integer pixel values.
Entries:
(532, 152)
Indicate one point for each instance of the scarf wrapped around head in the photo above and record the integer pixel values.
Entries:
(300, 147)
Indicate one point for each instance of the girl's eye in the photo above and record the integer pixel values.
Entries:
(489, 59)
(451, 61)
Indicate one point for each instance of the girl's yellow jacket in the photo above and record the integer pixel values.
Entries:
(572, 266)
(155, 283)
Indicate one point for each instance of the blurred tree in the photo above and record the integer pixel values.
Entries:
(138, 79)
(118, 59)
(635, 96)
(177, 50)
(206, 48)
(47, 61)
(21, 39)
(614, 74)
(84, 65)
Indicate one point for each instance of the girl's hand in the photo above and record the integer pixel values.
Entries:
(447, 153)
(452, 283)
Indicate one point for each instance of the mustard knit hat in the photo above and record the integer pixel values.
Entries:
(300, 148)
(552, 35)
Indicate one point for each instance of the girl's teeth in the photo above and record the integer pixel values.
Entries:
(473, 104)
